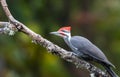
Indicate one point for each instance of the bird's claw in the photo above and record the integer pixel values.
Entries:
(73, 54)
(69, 55)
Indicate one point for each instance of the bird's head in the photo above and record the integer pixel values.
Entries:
(63, 32)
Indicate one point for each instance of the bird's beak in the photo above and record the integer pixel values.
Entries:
(55, 33)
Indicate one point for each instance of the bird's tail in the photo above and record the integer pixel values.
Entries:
(110, 71)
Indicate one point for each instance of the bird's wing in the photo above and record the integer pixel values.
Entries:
(88, 48)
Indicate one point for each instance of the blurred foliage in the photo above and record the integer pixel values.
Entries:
(97, 20)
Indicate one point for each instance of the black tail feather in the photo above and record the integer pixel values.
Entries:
(110, 71)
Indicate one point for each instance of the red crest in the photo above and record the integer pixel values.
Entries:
(68, 28)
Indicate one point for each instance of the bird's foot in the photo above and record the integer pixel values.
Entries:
(69, 56)
(72, 54)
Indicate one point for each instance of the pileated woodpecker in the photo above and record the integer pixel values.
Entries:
(84, 49)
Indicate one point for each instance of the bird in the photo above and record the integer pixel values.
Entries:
(85, 49)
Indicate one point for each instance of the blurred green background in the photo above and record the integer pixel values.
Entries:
(97, 20)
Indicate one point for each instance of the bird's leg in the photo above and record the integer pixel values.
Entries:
(69, 55)
(73, 53)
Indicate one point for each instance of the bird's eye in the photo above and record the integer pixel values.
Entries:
(64, 31)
